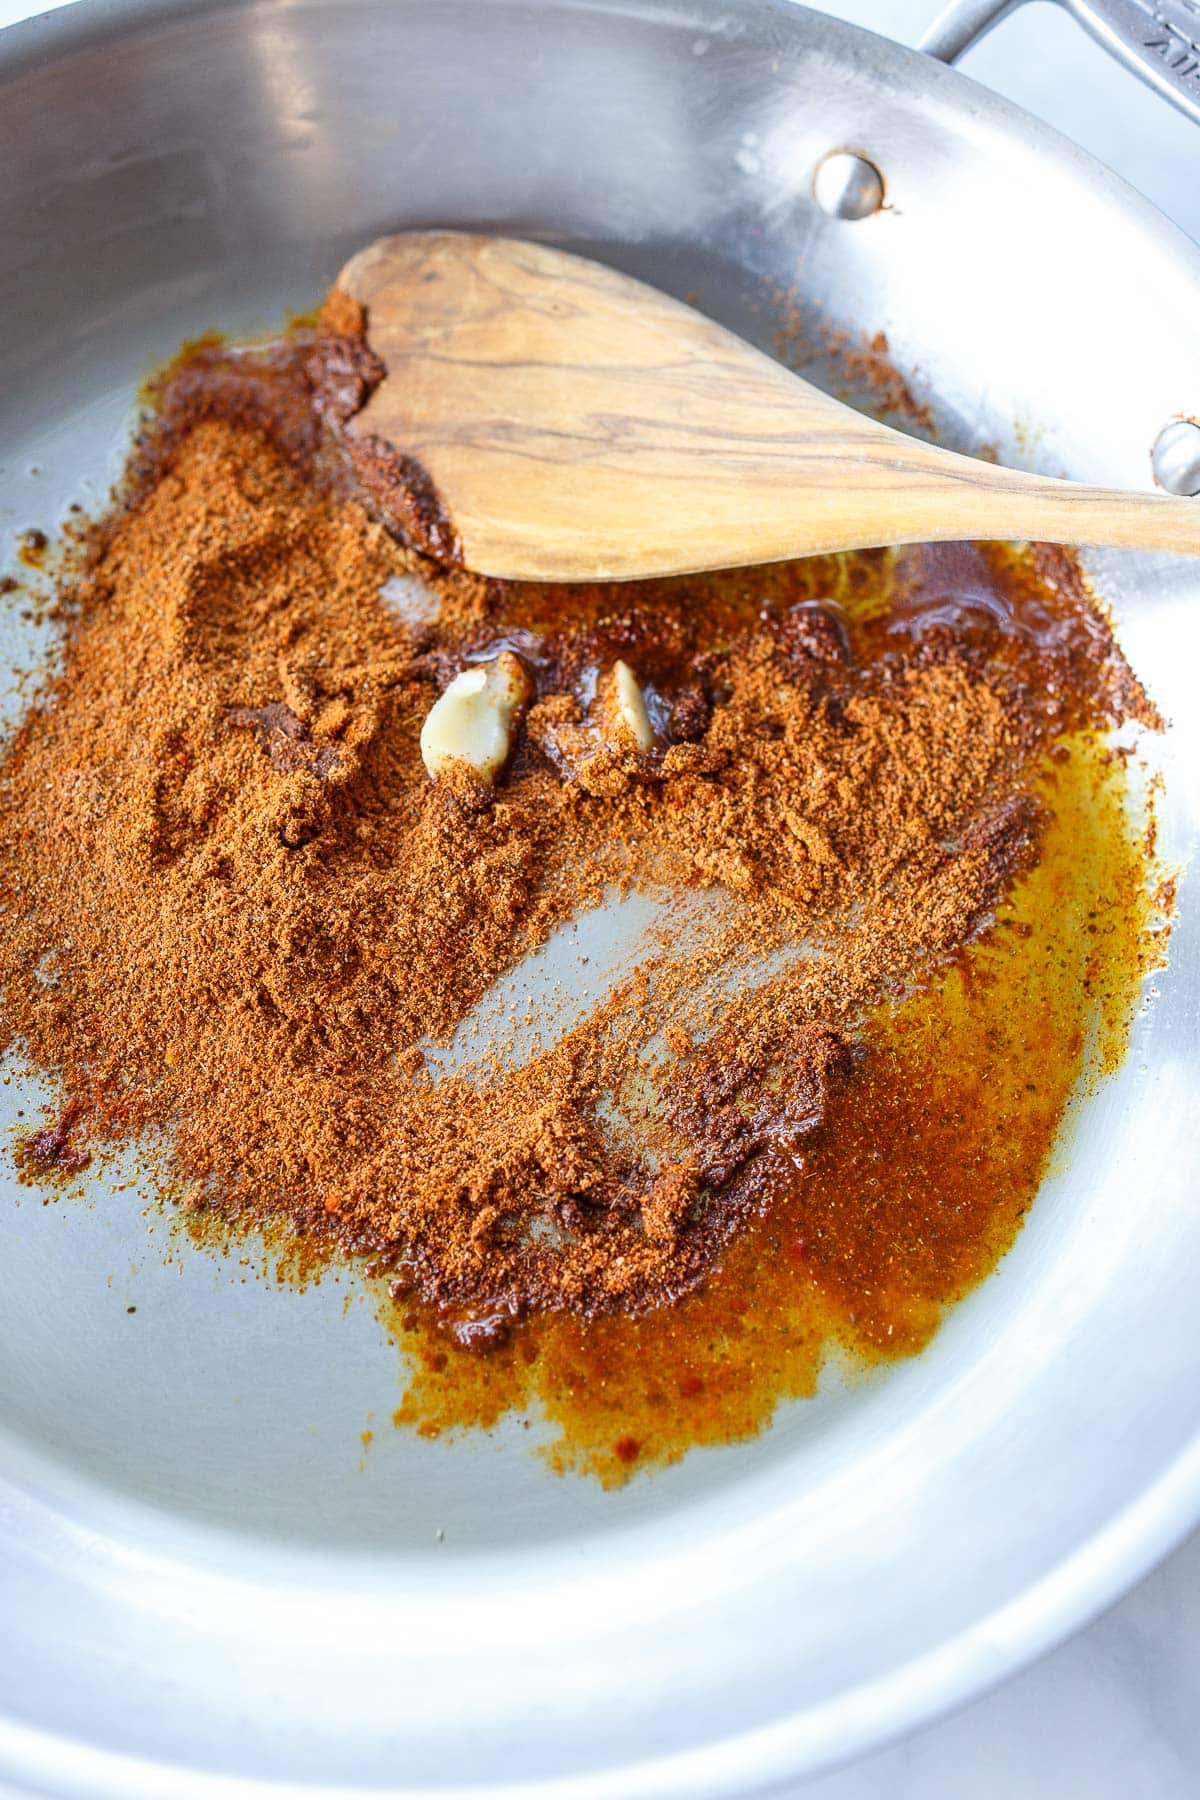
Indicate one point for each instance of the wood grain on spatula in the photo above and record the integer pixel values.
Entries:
(575, 424)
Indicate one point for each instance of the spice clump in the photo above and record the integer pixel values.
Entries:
(267, 922)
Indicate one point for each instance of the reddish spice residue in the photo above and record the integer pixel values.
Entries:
(53, 1150)
(864, 365)
(284, 737)
(870, 367)
(406, 491)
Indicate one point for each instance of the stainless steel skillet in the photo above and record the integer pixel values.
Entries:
(201, 1592)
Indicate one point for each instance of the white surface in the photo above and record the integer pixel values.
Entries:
(1111, 1715)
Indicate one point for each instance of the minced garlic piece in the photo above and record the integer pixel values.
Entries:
(625, 718)
(473, 720)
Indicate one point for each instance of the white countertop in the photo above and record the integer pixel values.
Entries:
(1112, 1714)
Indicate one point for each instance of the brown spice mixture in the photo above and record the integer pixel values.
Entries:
(260, 913)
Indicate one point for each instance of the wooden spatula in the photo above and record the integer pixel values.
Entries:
(578, 425)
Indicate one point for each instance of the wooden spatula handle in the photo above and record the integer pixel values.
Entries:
(579, 425)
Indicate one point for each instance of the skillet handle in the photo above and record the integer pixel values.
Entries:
(1159, 40)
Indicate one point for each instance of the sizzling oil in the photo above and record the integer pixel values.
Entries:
(929, 1158)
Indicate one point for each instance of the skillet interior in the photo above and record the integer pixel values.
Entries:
(166, 169)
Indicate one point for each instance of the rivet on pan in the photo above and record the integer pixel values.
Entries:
(1175, 457)
(847, 186)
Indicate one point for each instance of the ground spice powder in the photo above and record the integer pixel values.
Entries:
(239, 915)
